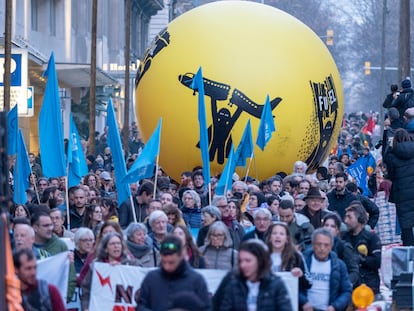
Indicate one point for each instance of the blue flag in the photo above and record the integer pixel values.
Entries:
(225, 181)
(12, 131)
(22, 170)
(358, 171)
(144, 165)
(267, 125)
(245, 148)
(52, 152)
(114, 142)
(198, 85)
(76, 157)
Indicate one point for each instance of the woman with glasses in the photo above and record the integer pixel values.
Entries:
(84, 241)
(218, 251)
(191, 209)
(252, 286)
(112, 250)
(209, 215)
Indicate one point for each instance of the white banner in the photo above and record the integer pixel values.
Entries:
(117, 287)
(55, 270)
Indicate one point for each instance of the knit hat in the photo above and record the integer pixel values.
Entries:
(406, 84)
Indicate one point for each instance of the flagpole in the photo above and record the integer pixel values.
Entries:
(156, 176)
(36, 191)
(67, 196)
(209, 193)
(248, 167)
(134, 214)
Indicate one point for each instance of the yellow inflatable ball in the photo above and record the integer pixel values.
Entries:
(246, 50)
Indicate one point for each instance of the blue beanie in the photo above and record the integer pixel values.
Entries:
(406, 84)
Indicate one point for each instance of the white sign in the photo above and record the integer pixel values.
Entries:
(18, 81)
(117, 287)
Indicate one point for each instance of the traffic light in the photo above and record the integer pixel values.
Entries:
(367, 68)
(329, 37)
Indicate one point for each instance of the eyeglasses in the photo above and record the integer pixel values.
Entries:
(168, 246)
(86, 240)
(258, 219)
(217, 235)
(222, 206)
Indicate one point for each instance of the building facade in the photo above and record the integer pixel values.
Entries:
(64, 28)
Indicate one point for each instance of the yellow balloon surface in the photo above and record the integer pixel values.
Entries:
(246, 50)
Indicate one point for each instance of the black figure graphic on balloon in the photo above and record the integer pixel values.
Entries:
(219, 132)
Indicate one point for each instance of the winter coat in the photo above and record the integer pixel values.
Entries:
(223, 258)
(232, 294)
(159, 288)
(339, 202)
(192, 217)
(400, 167)
(340, 288)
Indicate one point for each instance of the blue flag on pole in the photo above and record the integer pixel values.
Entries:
(144, 165)
(358, 171)
(267, 125)
(76, 158)
(52, 151)
(22, 170)
(114, 142)
(245, 148)
(225, 181)
(198, 85)
(12, 131)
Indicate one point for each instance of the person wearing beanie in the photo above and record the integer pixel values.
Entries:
(405, 99)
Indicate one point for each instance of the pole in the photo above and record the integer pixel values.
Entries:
(92, 94)
(7, 55)
(384, 19)
(404, 66)
(125, 136)
(248, 167)
(134, 214)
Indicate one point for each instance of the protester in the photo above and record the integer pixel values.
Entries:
(253, 286)
(218, 248)
(209, 215)
(84, 240)
(190, 250)
(366, 245)
(37, 294)
(191, 209)
(111, 250)
(285, 257)
(331, 288)
(160, 287)
(141, 246)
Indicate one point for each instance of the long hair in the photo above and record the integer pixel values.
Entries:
(88, 215)
(189, 243)
(219, 226)
(289, 251)
(400, 135)
(260, 250)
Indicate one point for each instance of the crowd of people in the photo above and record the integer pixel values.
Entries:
(320, 227)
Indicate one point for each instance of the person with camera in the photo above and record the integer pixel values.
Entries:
(405, 99)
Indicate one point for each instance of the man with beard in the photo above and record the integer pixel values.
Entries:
(52, 197)
(37, 294)
(340, 197)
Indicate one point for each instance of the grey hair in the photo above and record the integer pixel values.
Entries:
(195, 197)
(80, 233)
(212, 211)
(262, 211)
(133, 227)
(155, 215)
(301, 163)
(219, 226)
(322, 231)
(217, 199)
(240, 183)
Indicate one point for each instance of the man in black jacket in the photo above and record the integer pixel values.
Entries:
(340, 197)
(370, 207)
(163, 288)
(366, 244)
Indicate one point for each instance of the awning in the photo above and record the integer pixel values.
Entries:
(78, 75)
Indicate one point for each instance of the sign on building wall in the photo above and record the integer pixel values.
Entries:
(18, 83)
